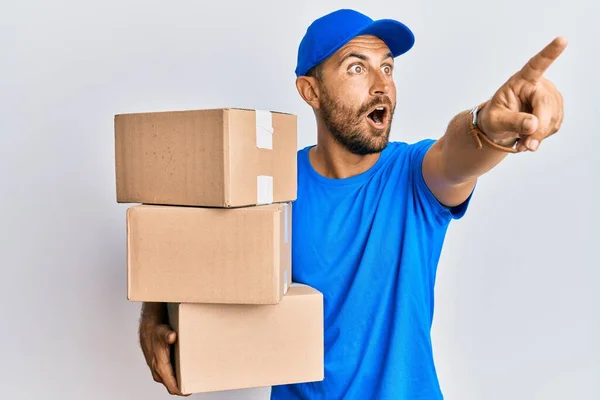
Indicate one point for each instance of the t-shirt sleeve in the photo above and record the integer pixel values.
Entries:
(421, 191)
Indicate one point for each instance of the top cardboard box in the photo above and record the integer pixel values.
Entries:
(214, 158)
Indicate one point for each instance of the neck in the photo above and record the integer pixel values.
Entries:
(330, 159)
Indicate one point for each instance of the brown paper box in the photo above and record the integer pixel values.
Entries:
(226, 347)
(209, 255)
(215, 158)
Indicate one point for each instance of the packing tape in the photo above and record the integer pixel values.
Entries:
(264, 189)
(264, 129)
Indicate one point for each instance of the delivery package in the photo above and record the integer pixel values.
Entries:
(209, 255)
(223, 157)
(226, 347)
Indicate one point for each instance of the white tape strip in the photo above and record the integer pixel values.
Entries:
(285, 281)
(264, 130)
(264, 189)
(285, 224)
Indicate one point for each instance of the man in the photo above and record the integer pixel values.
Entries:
(371, 215)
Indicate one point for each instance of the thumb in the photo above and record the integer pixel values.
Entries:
(544, 117)
(520, 123)
(166, 334)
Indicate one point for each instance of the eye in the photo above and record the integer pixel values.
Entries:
(387, 69)
(356, 68)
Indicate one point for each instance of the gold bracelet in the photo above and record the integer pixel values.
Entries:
(478, 134)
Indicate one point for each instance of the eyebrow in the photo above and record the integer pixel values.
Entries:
(361, 57)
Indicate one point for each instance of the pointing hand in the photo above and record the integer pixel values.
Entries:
(528, 107)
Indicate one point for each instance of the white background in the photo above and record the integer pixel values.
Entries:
(518, 283)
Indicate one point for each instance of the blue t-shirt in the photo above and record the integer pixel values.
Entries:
(371, 243)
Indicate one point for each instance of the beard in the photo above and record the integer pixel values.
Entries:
(348, 127)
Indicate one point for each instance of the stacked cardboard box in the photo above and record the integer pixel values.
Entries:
(212, 238)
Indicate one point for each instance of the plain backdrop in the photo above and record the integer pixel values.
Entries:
(518, 283)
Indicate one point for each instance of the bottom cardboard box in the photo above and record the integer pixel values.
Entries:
(238, 346)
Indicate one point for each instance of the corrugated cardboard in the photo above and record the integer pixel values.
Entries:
(225, 347)
(209, 255)
(214, 158)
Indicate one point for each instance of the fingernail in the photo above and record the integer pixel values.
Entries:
(533, 144)
(527, 124)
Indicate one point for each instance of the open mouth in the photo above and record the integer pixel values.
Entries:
(378, 116)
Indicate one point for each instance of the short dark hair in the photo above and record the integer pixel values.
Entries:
(316, 72)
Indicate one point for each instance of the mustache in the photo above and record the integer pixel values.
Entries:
(376, 101)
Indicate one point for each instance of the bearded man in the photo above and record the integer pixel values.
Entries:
(371, 215)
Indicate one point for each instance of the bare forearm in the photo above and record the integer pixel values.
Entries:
(462, 161)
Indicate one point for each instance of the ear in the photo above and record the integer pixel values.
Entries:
(308, 88)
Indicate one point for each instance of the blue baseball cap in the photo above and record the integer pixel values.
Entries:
(332, 31)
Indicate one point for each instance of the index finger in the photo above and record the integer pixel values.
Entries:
(538, 64)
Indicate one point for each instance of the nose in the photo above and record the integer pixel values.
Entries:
(380, 84)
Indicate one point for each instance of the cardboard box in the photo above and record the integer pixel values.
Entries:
(225, 347)
(214, 158)
(209, 255)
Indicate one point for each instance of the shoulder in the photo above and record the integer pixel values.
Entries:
(408, 154)
(420, 145)
(304, 150)
(409, 161)
(302, 156)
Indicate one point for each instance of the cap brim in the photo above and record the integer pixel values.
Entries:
(397, 36)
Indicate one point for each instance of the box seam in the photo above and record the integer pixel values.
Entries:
(128, 249)
(227, 201)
